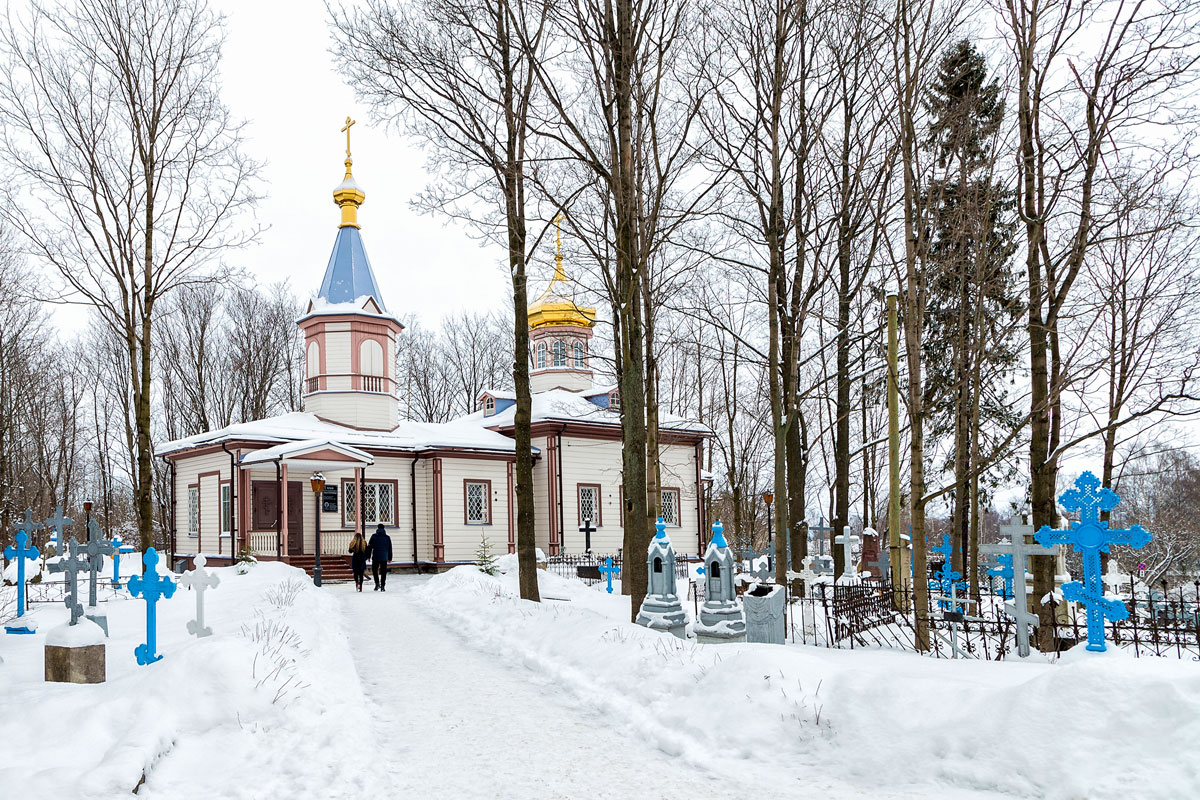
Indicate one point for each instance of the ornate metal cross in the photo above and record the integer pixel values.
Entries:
(1091, 537)
(201, 580)
(609, 570)
(1005, 571)
(96, 549)
(21, 552)
(1018, 609)
(346, 130)
(57, 523)
(152, 587)
(947, 576)
(70, 565)
(587, 529)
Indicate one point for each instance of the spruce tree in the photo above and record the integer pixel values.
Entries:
(484, 558)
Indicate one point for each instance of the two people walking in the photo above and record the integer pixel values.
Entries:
(379, 550)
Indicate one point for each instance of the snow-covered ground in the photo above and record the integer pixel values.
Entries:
(450, 686)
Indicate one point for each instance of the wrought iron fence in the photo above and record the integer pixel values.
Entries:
(586, 567)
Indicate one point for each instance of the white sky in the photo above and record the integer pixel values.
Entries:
(278, 75)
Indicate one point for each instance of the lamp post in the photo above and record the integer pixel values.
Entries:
(317, 481)
(87, 524)
(768, 498)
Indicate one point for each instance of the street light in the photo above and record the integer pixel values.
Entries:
(768, 498)
(87, 523)
(317, 481)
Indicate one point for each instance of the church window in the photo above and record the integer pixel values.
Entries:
(560, 353)
(478, 502)
(580, 358)
(314, 365)
(226, 509)
(669, 507)
(370, 365)
(614, 401)
(541, 355)
(193, 501)
(489, 406)
(378, 502)
(589, 504)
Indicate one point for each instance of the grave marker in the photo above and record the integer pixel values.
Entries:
(96, 549)
(70, 565)
(1091, 537)
(57, 523)
(849, 574)
(1018, 609)
(152, 587)
(201, 580)
(21, 552)
(587, 529)
(609, 570)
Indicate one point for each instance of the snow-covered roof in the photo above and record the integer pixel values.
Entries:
(561, 405)
(302, 447)
(299, 426)
(499, 394)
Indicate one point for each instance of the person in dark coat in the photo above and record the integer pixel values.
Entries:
(381, 553)
(359, 552)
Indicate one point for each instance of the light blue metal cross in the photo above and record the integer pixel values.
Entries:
(151, 586)
(947, 576)
(20, 553)
(609, 570)
(1005, 571)
(1091, 537)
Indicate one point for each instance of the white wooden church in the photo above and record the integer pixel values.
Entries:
(436, 488)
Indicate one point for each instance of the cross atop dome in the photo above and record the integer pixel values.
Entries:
(556, 305)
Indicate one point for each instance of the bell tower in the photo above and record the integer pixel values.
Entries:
(560, 333)
(349, 336)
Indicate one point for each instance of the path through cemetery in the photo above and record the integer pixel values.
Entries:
(452, 720)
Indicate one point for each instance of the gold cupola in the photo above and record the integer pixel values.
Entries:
(348, 195)
(556, 306)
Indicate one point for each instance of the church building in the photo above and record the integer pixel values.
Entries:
(438, 488)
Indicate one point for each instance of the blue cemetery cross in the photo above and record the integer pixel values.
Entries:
(1091, 537)
(1005, 571)
(152, 587)
(116, 546)
(69, 565)
(947, 577)
(21, 552)
(57, 523)
(609, 570)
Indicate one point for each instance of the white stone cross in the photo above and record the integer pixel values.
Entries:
(201, 580)
(808, 575)
(849, 574)
(1114, 579)
(1020, 550)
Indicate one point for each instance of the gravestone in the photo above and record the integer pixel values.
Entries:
(849, 576)
(152, 587)
(955, 618)
(201, 580)
(661, 609)
(1091, 537)
(609, 571)
(70, 565)
(587, 529)
(1018, 608)
(1114, 579)
(807, 610)
(764, 605)
(720, 618)
(872, 554)
(22, 551)
(74, 653)
(96, 549)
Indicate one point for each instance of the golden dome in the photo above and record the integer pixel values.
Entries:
(556, 306)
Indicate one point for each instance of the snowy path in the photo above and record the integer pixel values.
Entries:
(454, 722)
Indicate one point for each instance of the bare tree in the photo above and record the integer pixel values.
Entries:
(110, 111)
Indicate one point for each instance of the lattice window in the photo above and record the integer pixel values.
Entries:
(589, 504)
(670, 507)
(193, 510)
(478, 507)
(580, 357)
(378, 501)
(226, 509)
(541, 355)
(560, 353)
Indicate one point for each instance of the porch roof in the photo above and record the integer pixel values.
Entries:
(310, 454)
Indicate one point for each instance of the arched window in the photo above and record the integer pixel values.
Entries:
(541, 355)
(614, 401)
(314, 365)
(560, 353)
(658, 564)
(580, 358)
(370, 357)
(489, 406)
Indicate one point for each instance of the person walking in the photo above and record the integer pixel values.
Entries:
(359, 552)
(381, 553)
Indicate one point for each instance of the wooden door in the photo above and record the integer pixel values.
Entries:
(295, 526)
(264, 506)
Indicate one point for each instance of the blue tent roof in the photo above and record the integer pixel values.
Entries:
(349, 276)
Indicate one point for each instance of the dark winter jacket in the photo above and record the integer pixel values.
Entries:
(380, 546)
(358, 559)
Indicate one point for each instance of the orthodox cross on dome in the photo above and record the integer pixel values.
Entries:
(1091, 536)
(346, 130)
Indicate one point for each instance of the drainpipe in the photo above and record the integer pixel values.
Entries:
(233, 525)
(171, 466)
(278, 512)
(562, 531)
(414, 513)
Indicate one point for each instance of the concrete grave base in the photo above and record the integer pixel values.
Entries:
(75, 654)
(663, 613)
(720, 622)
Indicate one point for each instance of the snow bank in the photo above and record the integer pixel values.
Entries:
(866, 721)
(272, 699)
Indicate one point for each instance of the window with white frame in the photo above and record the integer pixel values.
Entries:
(589, 504)
(193, 494)
(489, 406)
(670, 507)
(478, 500)
(560, 353)
(541, 355)
(378, 502)
(580, 357)
(226, 509)
(614, 401)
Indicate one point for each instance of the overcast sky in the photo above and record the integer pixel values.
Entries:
(278, 75)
